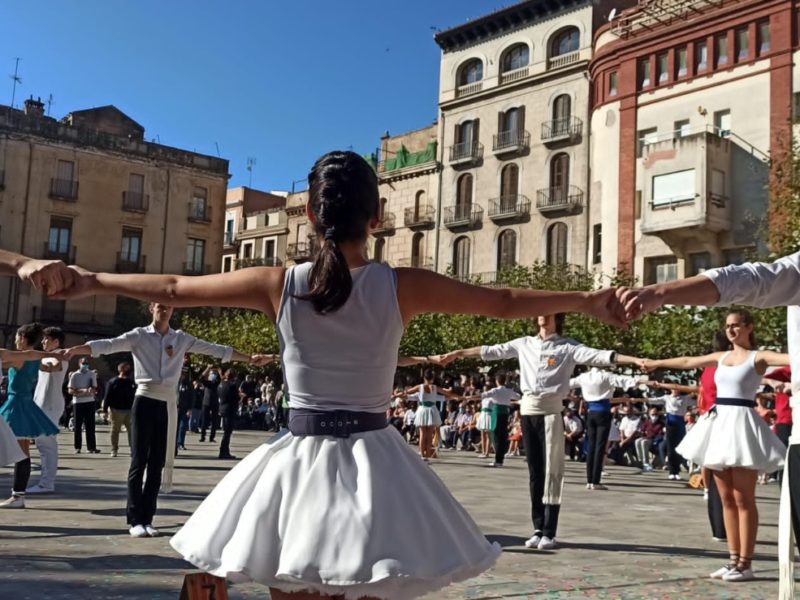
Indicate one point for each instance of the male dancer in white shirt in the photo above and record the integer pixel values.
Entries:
(502, 397)
(546, 363)
(158, 352)
(755, 284)
(49, 396)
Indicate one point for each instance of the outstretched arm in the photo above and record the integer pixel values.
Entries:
(408, 361)
(50, 276)
(683, 363)
(15, 358)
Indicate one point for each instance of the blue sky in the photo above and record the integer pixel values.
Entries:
(279, 80)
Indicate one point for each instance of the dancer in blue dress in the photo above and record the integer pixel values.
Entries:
(21, 413)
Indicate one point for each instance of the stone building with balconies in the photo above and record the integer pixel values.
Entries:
(301, 243)
(408, 183)
(691, 98)
(90, 190)
(255, 229)
(513, 113)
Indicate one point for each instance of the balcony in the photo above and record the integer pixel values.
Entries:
(130, 264)
(567, 129)
(63, 189)
(196, 269)
(66, 255)
(385, 224)
(559, 200)
(420, 217)
(466, 153)
(507, 142)
(417, 262)
(515, 75)
(469, 89)
(135, 202)
(265, 261)
(699, 186)
(556, 62)
(199, 213)
(466, 216)
(510, 208)
(299, 251)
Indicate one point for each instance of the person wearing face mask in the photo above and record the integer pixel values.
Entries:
(83, 387)
(651, 440)
(210, 380)
(120, 393)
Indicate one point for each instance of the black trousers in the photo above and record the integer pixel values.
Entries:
(84, 417)
(544, 516)
(715, 517)
(676, 431)
(500, 437)
(210, 420)
(784, 432)
(598, 426)
(227, 429)
(149, 419)
(22, 475)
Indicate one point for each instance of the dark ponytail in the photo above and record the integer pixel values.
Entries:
(343, 196)
(31, 333)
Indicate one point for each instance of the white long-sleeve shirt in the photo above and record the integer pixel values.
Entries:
(501, 395)
(546, 366)
(158, 359)
(597, 384)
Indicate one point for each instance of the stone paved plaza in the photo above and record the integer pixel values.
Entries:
(645, 538)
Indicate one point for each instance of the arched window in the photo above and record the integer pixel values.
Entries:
(557, 244)
(461, 249)
(516, 57)
(470, 72)
(565, 41)
(562, 108)
(417, 259)
(419, 203)
(559, 177)
(377, 253)
(506, 249)
(382, 208)
(464, 193)
(509, 187)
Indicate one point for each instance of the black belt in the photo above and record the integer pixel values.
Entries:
(337, 423)
(736, 402)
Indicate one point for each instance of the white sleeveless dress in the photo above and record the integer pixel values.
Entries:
(734, 436)
(485, 416)
(10, 452)
(326, 514)
(428, 416)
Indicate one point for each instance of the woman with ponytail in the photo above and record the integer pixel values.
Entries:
(311, 513)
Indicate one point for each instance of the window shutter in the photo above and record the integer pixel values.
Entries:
(521, 118)
(501, 122)
(475, 131)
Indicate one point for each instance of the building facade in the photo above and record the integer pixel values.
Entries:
(90, 190)
(514, 140)
(690, 101)
(255, 229)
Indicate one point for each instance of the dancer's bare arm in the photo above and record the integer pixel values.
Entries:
(766, 359)
(446, 295)
(410, 361)
(16, 358)
(683, 363)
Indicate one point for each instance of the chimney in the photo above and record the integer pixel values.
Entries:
(34, 108)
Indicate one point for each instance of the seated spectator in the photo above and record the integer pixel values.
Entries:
(630, 429)
(573, 433)
(409, 431)
(468, 432)
(448, 432)
(514, 435)
(651, 440)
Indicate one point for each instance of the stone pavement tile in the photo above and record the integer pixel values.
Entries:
(645, 538)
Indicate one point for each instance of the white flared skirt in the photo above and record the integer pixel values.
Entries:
(10, 452)
(733, 436)
(484, 421)
(428, 416)
(332, 515)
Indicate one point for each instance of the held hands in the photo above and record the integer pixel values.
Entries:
(80, 286)
(48, 276)
(260, 360)
(635, 303)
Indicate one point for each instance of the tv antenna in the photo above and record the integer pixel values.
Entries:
(50, 103)
(251, 162)
(16, 79)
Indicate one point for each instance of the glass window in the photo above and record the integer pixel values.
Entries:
(660, 269)
(699, 262)
(722, 122)
(198, 208)
(721, 49)
(417, 260)
(682, 61)
(461, 250)
(612, 84)
(644, 72)
(227, 264)
(559, 177)
(195, 255)
(506, 250)
(762, 33)
(131, 248)
(229, 232)
(269, 249)
(568, 40)
(644, 137)
(58, 241)
(472, 72)
(681, 128)
(597, 243)
(742, 44)
(557, 244)
(662, 67)
(516, 58)
(700, 57)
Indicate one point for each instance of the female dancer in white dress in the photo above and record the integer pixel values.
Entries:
(732, 440)
(312, 513)
(428, 418)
